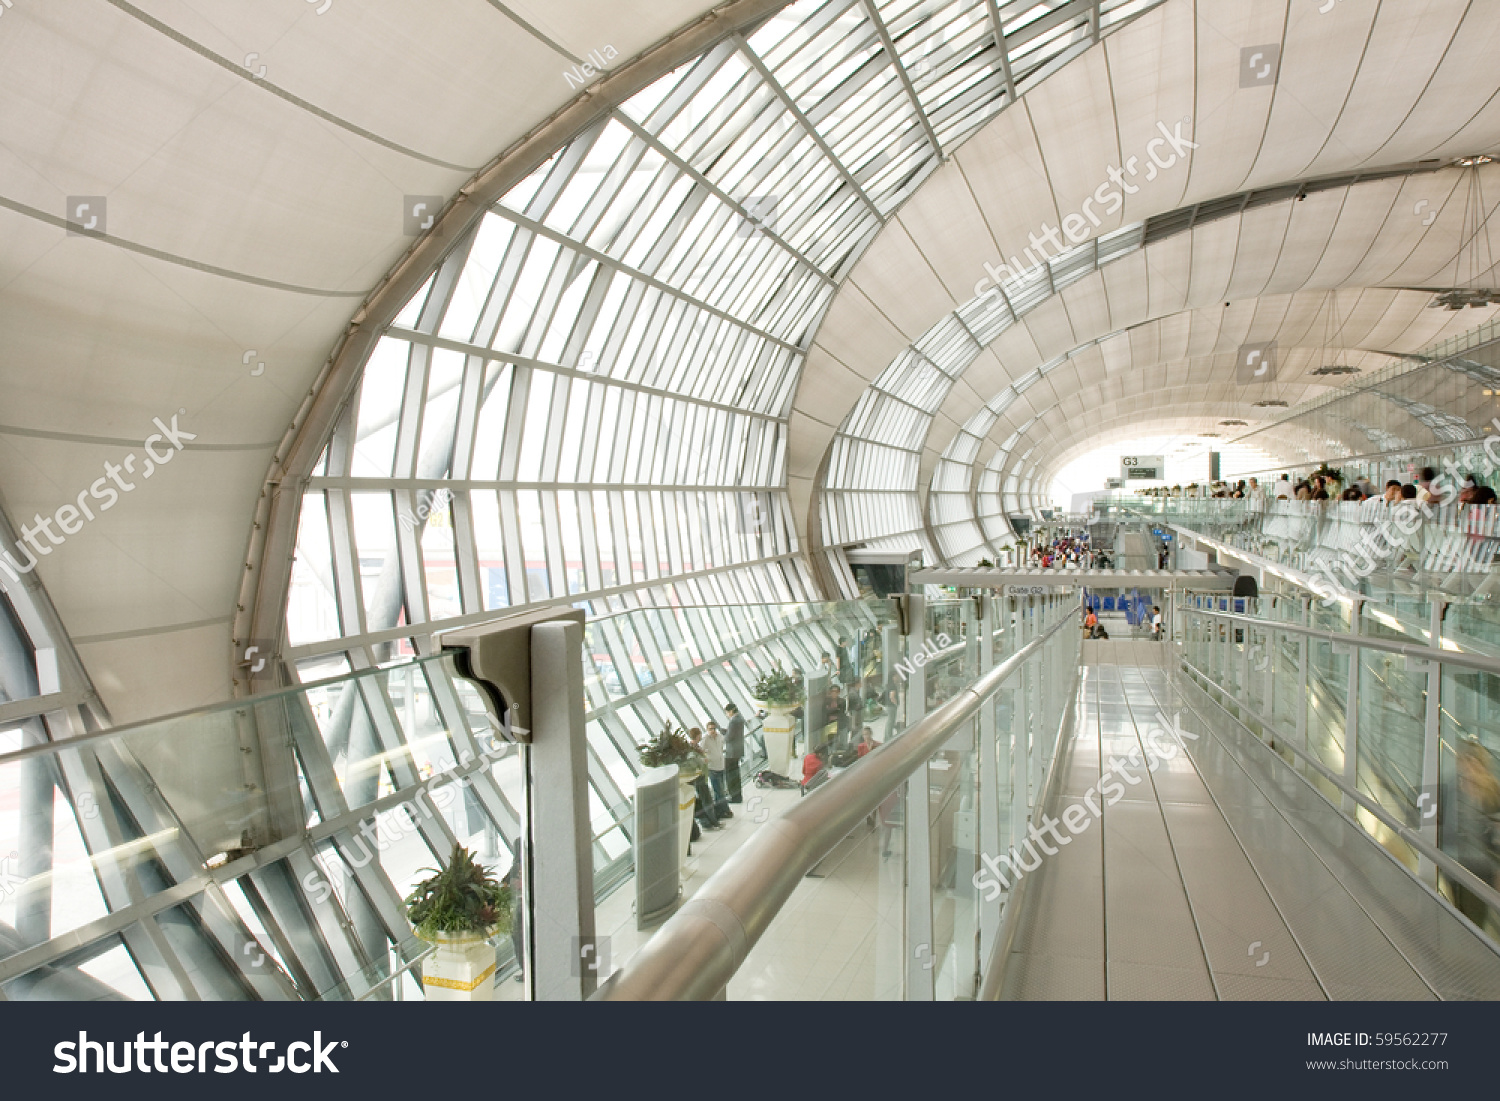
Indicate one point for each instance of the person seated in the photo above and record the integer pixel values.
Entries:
(1353, 494)
(1409, 492)
(866, 741)
(1392, 491)
(813, 764)
(1483, 495)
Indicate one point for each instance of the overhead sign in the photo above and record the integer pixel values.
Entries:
(1143, 468)
(1036, 590)
(1113, 483)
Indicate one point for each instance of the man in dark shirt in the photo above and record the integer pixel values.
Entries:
(734, 749)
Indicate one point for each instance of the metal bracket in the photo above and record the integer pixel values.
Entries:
(496, 657)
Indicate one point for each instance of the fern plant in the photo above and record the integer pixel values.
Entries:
(672, 747)
(778, 688)
(460, 898)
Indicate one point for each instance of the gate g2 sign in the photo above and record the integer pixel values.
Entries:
(1143, 468)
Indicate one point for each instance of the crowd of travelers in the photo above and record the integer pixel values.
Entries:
(1426, 488)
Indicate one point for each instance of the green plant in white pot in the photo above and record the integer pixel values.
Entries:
(673, 747)
(779, 692)
(459, 909)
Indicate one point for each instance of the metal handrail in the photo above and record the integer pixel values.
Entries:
(695, 954)
(1439, 857)
(1367, 642)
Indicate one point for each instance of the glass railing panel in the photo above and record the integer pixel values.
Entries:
(387, 767)
(1469, 786)
(1327, 696)
(1287, 696)
(1392, 721)
(953, 813)
(951, 642)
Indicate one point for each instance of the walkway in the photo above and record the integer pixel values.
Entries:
(1221, 875)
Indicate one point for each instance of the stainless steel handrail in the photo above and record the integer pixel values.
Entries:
(695, 954)
(1395, 825)
(1367, 642)
(1439, 857)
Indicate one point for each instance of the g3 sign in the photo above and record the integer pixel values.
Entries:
(1142, 468)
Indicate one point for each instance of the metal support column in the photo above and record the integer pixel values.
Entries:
(563, 944)
(989, 777)
(1428, 802)
(529, 667)
(1304, 652)
(920, 962)
(1351, 711)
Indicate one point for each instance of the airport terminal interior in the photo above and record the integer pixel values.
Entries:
(916, 500)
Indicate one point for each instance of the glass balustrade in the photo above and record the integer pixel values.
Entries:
(1432, 767)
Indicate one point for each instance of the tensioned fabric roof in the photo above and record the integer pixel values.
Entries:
(790, 208)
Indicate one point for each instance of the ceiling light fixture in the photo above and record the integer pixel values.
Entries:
(1469, 266)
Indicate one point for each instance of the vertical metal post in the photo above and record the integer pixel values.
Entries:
(563, 944)
(1428, 809)
(1304, 653)
(1351, 711)
(1019, 776)
(989, 779)
(920, 964)
(1031, 677)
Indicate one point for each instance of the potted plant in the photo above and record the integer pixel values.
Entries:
(673, 747)
(459, 909)
(985, 564)
(779, 693)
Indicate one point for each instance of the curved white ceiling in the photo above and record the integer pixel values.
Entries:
(248, 216)
(1363, 88)
(250, 213)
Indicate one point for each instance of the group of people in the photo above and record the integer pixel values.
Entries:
(1322, 487)
(1240, 489)
(722, 751)
(1092, 628)
(1067, 550)
(1326, 487)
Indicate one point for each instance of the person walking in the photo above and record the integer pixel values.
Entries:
(713, 752)
(734, 751)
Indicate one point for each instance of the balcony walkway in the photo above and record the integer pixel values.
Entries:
(1221, 875)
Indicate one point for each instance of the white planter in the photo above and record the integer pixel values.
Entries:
(687, 803)
(461, 970)
(778, 729)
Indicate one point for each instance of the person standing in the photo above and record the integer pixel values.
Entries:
(713, 751)
(734, 751)
(517, 915)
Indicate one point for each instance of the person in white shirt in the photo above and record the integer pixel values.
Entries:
(1156, 624)
(713, 751)
(1284, 488)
